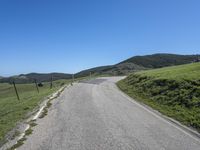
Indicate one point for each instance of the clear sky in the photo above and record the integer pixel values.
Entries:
(71, 35)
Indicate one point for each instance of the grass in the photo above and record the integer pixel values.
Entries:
(174, 91)
(32, 123)
(18, 144)
(181, 72)
(29, 131)
(12, 110)
(44, 113)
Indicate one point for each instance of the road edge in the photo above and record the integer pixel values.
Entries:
(25, 124)
(187, 130)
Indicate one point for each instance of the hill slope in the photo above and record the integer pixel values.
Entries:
(29, 78)
(161, 60)
(137, 63)
(174, 91)
(130, 65)
(119, 69)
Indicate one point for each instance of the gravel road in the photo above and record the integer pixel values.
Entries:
(95, 115)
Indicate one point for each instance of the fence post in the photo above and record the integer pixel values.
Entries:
(90, 75)
(72, 77)
(36, 86)
(16, 90)
(51, 85)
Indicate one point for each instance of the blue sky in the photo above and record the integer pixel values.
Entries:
(72, 35)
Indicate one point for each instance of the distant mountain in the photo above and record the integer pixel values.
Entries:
(40, 77)
(137, 63)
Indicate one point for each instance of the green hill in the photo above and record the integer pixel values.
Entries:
(130, 65)
(161, 60)
(137, 63)
(29, 78)
(174, 91)
(96, 70)
(119, 69)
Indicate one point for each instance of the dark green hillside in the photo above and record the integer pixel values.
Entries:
(161, 60)
(137, 63)
(119, 69)
(96, 71)
(174, 91)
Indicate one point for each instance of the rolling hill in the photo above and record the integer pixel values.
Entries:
(137, 63)
(29, 78)
(130, 65)
(119, 69)
(161, 60)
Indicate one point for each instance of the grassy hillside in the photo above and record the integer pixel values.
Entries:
(138, 63)
(161, 60)
(12, 110)
(119, 69)
(95, 71)
(40, 77)
(174, 91)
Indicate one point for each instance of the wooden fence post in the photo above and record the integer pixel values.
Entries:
(36, 86)
(16, 90)
(51, 85)
(72, 77)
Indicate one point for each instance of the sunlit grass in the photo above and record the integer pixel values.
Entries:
(174, 91)
(13, 110)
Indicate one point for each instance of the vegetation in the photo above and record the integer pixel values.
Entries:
(162, 60)
(18, 144)
(138, 63)
(133, 64)
(174, 91)
(119, 69)
(96, 70)
(29, 78)
(12, 110)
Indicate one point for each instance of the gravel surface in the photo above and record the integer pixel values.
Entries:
(95, 115)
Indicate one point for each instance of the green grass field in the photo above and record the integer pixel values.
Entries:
(174, 91)
(181, 72)
(12, 110)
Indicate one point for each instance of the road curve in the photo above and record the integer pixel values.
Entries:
(95, 115)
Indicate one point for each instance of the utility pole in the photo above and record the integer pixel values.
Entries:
(36, 86)
(16, 90)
